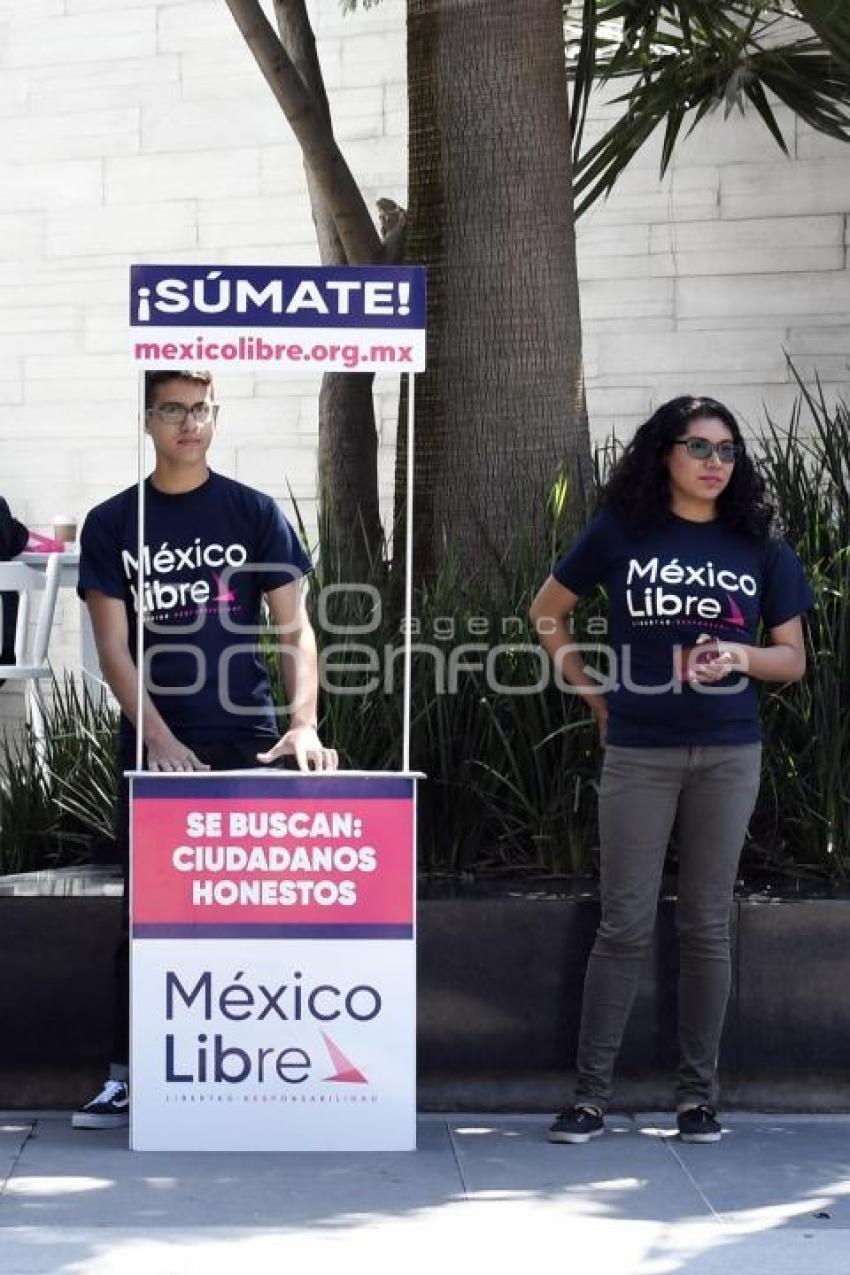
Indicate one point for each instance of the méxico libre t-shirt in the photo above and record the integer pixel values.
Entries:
(210, 554)
(666, 587)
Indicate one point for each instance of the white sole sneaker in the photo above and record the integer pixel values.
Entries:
(110, 1109)
(576, 1138)
(87, 1120)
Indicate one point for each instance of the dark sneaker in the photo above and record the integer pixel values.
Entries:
(577, 1124)
(698, 1124)
(109, 1110)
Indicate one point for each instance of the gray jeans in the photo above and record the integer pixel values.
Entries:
(709, 792)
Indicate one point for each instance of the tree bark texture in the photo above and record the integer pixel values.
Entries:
(348, 440)
(501, 405)
(312, 131)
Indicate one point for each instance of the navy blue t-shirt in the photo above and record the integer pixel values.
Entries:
(13, 538)
(666, 587)
(211, 554)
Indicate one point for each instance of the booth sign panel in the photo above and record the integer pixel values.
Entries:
(273, 962)
(289, 320)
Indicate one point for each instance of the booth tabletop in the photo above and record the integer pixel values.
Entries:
(273, 774)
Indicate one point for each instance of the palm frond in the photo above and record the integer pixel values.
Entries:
(687, 60)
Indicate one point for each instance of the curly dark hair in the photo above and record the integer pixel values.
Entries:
(638, 487)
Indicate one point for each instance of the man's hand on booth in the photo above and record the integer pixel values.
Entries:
(302, 743)
(166, 753)
(299, 674)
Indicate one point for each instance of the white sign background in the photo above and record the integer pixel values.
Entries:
(319, 1114)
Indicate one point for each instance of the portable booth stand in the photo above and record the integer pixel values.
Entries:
(272, 913)
(273, 962)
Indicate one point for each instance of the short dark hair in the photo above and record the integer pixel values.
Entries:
(153, 379)
(638, 487)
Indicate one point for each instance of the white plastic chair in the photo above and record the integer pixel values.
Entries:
(31, 664)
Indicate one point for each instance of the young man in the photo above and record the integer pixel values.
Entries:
(214, 549)
(13, 538)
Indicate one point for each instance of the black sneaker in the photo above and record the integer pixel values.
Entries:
(698, 1124)
(577, 1124)
(109, 1110)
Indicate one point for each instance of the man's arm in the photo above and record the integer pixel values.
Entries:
(109, 622)
(299, 670)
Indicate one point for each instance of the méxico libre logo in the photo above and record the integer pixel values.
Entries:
(346, 1073)
(222, 1062)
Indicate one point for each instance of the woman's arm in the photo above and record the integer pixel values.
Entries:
(783, 661)
(549, 613)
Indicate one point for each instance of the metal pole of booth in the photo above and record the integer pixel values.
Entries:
(408, 577)
(140, 581)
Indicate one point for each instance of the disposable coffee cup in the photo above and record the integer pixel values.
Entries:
(65, 528)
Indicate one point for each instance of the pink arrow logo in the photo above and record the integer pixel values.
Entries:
(736, 615)
(346, 1072)
(223, 595)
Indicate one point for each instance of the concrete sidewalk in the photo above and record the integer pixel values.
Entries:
(772, 1198)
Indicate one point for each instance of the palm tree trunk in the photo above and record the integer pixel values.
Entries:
(501, 405)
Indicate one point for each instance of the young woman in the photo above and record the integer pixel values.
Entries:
(682, 544)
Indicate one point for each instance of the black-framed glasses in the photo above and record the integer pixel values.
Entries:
(177, 413)
(701, 448)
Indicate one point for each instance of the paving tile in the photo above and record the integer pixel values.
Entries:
(622, 1175)
(77, 1178)
(726, 1252)
(421, 1242)
(770, 1171)
(13, 1135)
(635, 1202)
(619, 1248)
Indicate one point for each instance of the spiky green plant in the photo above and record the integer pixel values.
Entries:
(804, 811)
(52, 807)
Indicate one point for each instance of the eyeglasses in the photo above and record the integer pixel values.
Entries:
(177, 413)
(701, 448)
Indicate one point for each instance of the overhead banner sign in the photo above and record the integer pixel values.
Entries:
(273, 962)
(288, 319)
